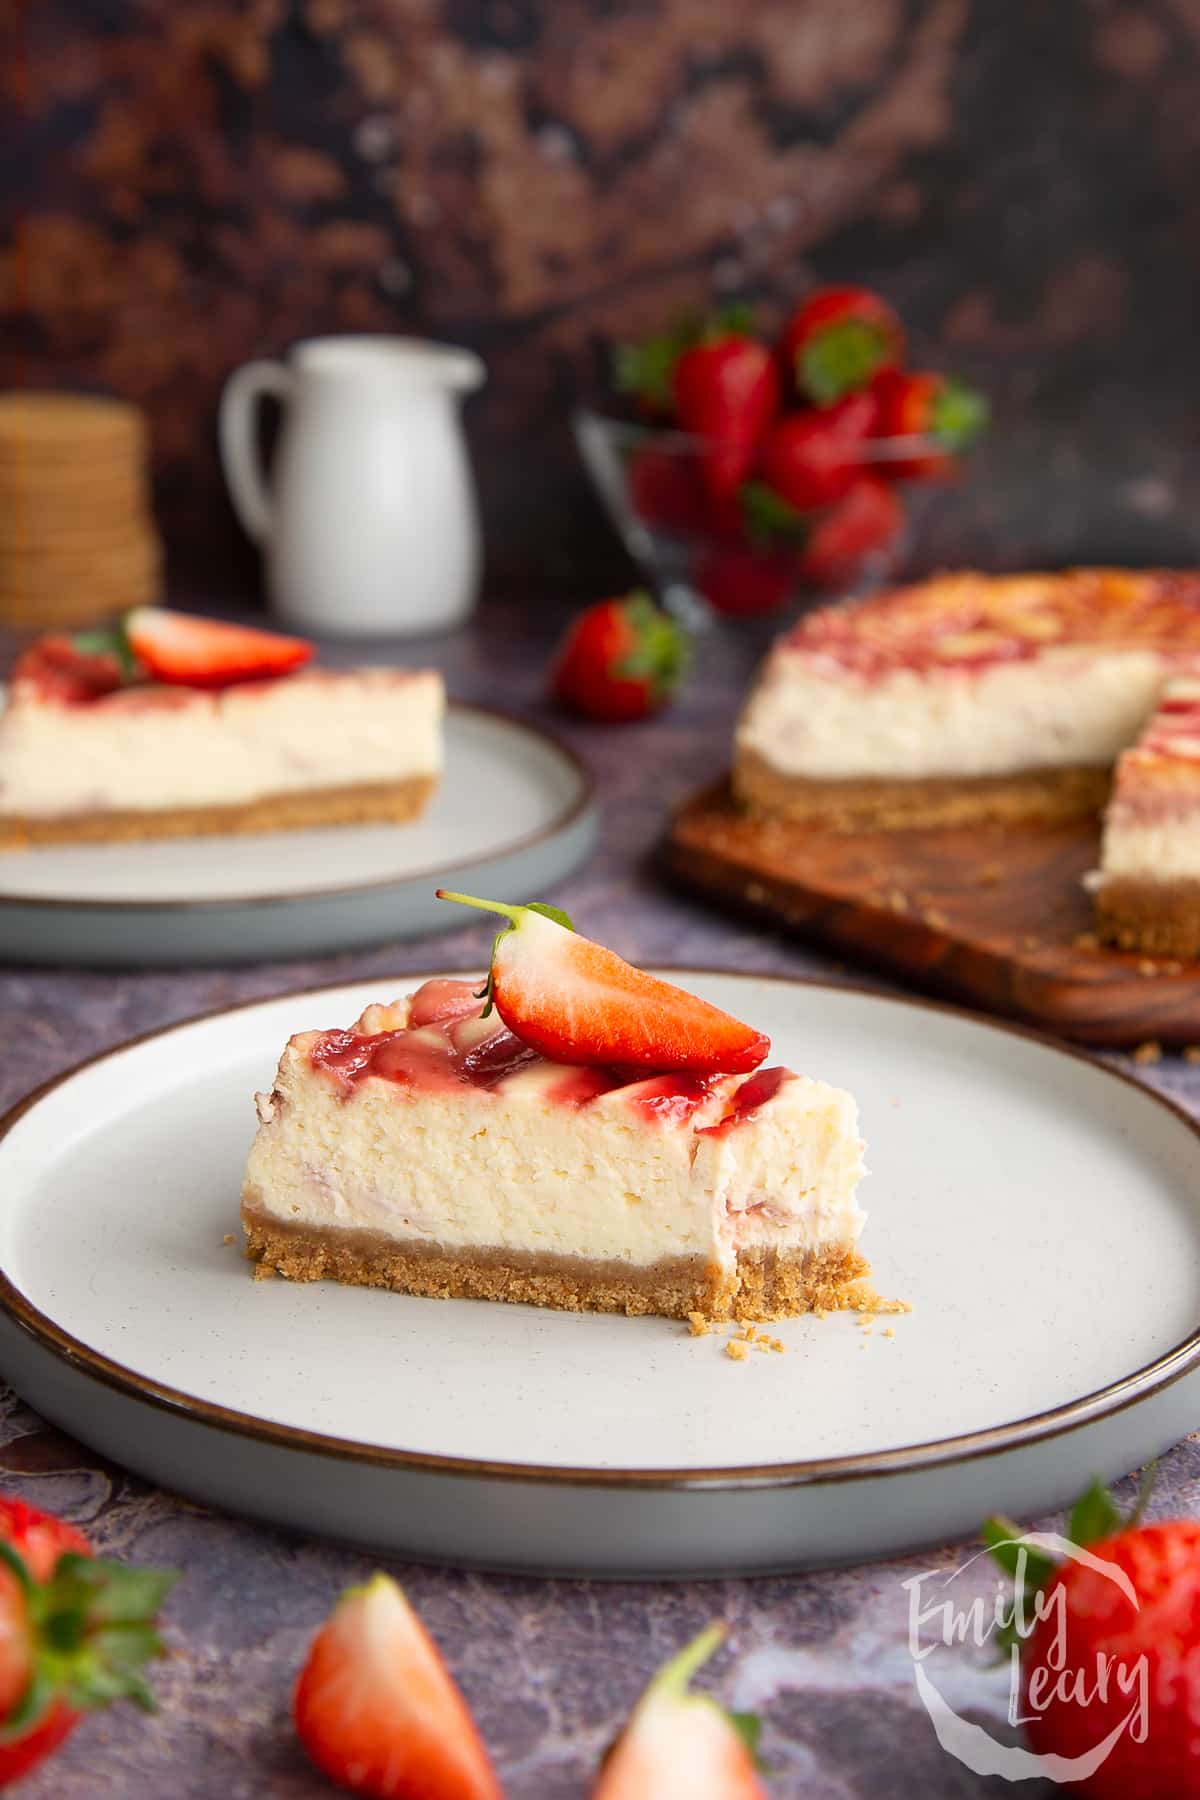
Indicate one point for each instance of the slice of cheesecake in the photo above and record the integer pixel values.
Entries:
(1147, 890)
(436, 1151)
(181, 726)
(962, 698)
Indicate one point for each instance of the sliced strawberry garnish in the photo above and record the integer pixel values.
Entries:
(175, 647)
(577, 1002)
(377, 1710)
(682, 1743)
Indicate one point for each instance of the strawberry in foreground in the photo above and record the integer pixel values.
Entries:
(931, 406)
(576, 1002)
(377, 1710)
(621, 660)
(75, 1631)
(1136, 1615)
(177, 648)
(838, 340)
(682, 1743)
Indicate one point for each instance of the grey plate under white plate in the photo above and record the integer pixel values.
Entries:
(514, 813)
(1041, 1213)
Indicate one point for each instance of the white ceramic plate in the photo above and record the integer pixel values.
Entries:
(1040, 1213)
(514, 811)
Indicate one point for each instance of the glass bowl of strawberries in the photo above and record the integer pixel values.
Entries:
(753, 475)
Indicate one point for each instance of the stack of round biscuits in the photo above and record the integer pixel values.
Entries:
(77, 542)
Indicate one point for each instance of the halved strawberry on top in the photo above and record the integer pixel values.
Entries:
(576, 1002)
(178, 648)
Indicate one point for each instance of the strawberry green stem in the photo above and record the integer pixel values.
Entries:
(490, 906)
(675, 1677)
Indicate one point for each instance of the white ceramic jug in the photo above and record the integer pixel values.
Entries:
(369, 522)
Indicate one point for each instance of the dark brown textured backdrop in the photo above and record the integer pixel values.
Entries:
(186, 186)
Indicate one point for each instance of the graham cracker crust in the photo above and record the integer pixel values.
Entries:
(358, 803)
(1051, 795)
(765, 1285)
(1159, 917)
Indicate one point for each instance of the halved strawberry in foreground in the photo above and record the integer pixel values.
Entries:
(577, 1002)
(682, 1743)
(176, 647)
(377, 1710)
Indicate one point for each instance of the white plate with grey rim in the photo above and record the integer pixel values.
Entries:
(514, 813)
(1039, 1211)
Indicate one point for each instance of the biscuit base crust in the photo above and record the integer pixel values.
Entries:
(358, 803)
(1053, 795)
(1161, 918)
(765, 1284)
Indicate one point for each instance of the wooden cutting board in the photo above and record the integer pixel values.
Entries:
(995, 916)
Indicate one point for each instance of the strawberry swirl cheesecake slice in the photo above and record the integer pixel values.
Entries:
(577, 1134)
(176, 726)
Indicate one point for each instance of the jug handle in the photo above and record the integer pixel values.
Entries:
(236, 429)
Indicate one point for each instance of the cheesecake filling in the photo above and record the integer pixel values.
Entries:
(810, 717)
(144, 749)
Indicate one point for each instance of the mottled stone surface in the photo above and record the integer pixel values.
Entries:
(549, 1667)
(189, 186)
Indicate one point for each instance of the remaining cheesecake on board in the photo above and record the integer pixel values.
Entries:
(1147, 890)
(174, 726)
(964, 698)
(595, 1140)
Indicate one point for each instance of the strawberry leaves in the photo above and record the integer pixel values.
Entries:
(114, 642)
(659, 652)
(1094, 1517)
(92, 1630)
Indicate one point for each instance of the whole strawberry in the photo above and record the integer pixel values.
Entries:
(621, 660)
(837, 341)
(811, 458)
(1115, 1650)
(726, 390)
(665, 489)
(863, 526)
(377, 1710)
(743, 582)
(679, 1743)
(931, 406)
(74, 1633)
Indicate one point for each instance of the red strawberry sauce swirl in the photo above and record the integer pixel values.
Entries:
(443, 1050)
